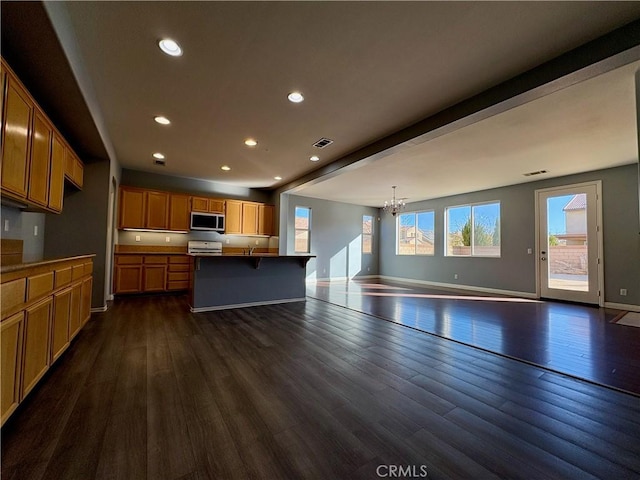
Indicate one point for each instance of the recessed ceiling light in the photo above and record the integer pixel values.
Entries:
(162, 120)
(277, 178)
(250, 142)
(314, 158)
(158, 155)
(170, 47)
(295, 97)
(226, 168)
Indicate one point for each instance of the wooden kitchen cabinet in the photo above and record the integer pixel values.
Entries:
(75, 321)
(73, 168)
(179, 215)
(249, 218)
(151, 273)
(233, 217)
(128, 279)
(56, 174)
(265, 219)
(154, 278)
(156, 210)
(40, 163)
(207, 205)
(132, 208)
(178, 276)
(11, 333)
(60, 323)
(85, 300)
(36, 361)
(16, 133)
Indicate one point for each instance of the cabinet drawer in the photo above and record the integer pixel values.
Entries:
(174, 276)
(12, 294)
(129, 259)
(77, 271)
(179, 259)
(155, 260)
(39, 285)
(178, 285)
(178, 268)
(88, 268)
(62, 277)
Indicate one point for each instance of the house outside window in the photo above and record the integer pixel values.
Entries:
(367, 234)
(302, 230)
(415, 233)
(473, 230)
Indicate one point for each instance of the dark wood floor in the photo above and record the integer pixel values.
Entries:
(578, 340)
(305, 390)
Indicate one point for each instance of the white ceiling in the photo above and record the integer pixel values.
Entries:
(367, 69)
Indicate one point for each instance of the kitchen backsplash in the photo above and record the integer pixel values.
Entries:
(181, 239)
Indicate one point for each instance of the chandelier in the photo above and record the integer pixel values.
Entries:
(395, 206)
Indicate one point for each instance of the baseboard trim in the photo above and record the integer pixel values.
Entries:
(340, 279)
(99, 309)
(245, 305)
(622, 306)
(455, 286)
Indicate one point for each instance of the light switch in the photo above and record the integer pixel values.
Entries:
(137, 238)
(35, 230)
(529, 251)
(167, 239)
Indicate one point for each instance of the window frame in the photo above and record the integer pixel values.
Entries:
(370, 235)
(473, 223)
(296, 229)
(415, 247)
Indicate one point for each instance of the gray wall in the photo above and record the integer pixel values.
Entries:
(135, 178)
(515, 270)
(21, 227)
(336, 230)
(81, 228)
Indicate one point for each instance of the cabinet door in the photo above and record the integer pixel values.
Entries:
(11, 333)
(132, 203)
(199, 204)
(179, 217)
(36, 343)
(128, 279)
(60, 325)
(216, 205)
(16, 132)
(157, 213)
(265, 219)
(85, 300)
(78, 172)
(56, 176)
(40, 160)
(155, 278)
(233, 217)
(74, 315)
(249, 218)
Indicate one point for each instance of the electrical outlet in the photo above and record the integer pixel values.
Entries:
(623, 292)
(257, 242)
(368, 269)
(529, 251)
(35, 230)
(455, 276)
(227, 242)
(137, 238)
(167, 239)
(6, 225)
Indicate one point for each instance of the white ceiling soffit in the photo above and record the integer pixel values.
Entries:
(366, 69)
(588, 126)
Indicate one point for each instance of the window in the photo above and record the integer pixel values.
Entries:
(303, 229)
(473, 230)
(415, 233)
(367, 234)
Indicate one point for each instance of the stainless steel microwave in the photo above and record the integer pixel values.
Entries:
(207, 221)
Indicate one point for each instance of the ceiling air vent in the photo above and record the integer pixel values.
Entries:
(323, 142)
(530, 174)
(159, 162)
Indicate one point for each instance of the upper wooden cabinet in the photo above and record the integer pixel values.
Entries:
(132, 208)
(207, 205)
(249, 218)
(265, 219)
(179, 218)
(34, 155)
(16, 133)
(233, 217)
(157, 210)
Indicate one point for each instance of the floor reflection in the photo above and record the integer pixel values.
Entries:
(573, 339)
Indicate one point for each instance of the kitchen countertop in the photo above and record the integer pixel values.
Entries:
(253, 255)
(40, 263)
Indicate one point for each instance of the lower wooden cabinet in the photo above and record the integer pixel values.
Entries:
(11, 350)
(44, 306)
(128, 279)
(60, 324)
(36, 343)
(150, 273)
(154, 278)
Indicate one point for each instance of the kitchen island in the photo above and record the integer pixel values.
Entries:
(223, 281)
